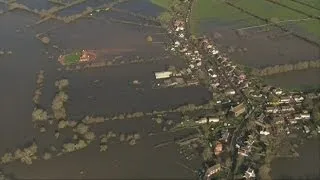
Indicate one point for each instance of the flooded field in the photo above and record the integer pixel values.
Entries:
(101, 91)
(304, 167)
(300, 80)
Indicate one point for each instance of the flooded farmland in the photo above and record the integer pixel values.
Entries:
(304, 167)
(101, 91)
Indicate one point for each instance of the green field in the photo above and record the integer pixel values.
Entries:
(300, 7)
(162, 3)
(314, 3)
(72, 58)
(217, 10)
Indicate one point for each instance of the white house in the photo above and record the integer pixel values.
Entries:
(163, 74)
(212, 119)
(202, 120)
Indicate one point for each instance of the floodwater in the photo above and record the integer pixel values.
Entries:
(300, 80)
(111, 95)
(304, 167)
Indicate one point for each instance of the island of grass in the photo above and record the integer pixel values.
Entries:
(72, 58)
(77, 57)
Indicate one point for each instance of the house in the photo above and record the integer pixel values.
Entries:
(213, 119)
(278, 91)
(244, 151)
(264, 132)
(202, 120)
(249, 174)
(211, 171)
(230, 92)
(238, 110)
(271, 109)
(286, 108)
(163, 74)
(305, 115)
(218, 149)
(285, 99)
(298, 98)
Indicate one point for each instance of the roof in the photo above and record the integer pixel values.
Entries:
(239, 107)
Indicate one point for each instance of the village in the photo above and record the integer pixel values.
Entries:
(254, 117)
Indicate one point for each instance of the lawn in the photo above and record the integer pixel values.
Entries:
(162, 3)
(72, 58)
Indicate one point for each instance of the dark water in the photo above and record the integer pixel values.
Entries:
(306, 79)
(18, 77)
(304, 167)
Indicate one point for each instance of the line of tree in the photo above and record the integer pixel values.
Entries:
(271, 70)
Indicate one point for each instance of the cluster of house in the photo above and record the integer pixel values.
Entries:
(285, 109)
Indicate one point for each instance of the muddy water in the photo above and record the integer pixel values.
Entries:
(306, 79)
(18, 76)
(304, 167)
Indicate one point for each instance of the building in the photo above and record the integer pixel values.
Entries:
(238, 110)
(286, 108)
(211, 171)
(285, 99)
(202, 120)
(249, 174)
(163, 74)
(298, 98)
(305, 115)
(218, 149)
(230, 92)
(272, 109)
(213, 119)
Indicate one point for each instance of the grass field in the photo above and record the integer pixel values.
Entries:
(72, 58)
(314, 3)
(218, 10)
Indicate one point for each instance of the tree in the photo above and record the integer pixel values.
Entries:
(6, 158)
(103, 147)
(207, 153)
(62, 124)
(149, 39)
(47, 156)
(39, 115)
(165, 18)
(81, 128)
(89, 136)
(62, 84)
(81, 144)
(69, 147)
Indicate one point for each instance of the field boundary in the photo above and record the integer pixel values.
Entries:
(314, 43)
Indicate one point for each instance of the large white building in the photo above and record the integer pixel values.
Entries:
(163, 74)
